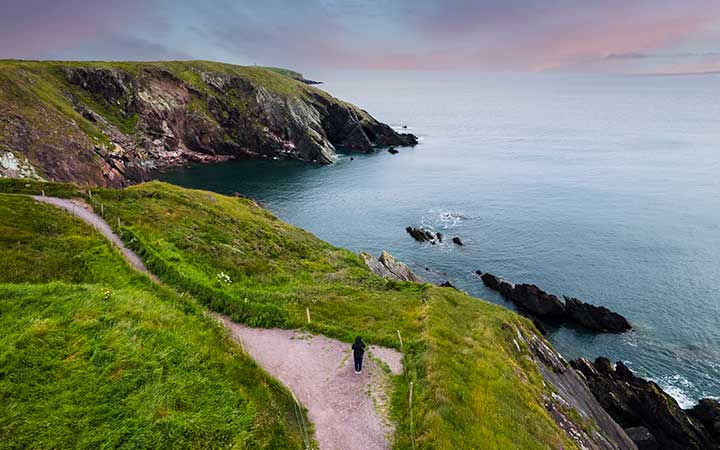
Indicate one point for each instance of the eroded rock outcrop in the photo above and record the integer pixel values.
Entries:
(540, 304)
(572, 399)
(597, 318)
(421, 234)
(388, 267)
(111, 123)
(634, 402)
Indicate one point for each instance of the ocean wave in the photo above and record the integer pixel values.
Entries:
(442, 219)
(677, 387)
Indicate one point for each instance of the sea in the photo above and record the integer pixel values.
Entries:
(601, 187)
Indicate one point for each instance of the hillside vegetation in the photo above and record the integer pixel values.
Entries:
(93, 355)
(475, 384)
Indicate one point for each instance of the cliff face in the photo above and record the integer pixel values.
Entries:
(108, 124)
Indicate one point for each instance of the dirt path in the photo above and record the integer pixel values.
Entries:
(349, 411)
(84, 211)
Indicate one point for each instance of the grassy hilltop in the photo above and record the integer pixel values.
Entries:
(144, 363)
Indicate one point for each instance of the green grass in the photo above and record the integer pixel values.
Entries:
(93, 355)
(287, 72)
(472, 388)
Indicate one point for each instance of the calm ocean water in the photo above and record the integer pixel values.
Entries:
(603, 188)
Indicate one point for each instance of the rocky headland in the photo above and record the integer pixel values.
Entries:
(111, 124)
(539, 303)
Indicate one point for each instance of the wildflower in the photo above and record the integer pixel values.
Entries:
(224, 278)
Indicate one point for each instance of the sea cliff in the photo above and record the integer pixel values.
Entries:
(110, 124)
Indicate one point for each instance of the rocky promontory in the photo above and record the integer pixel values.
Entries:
(539, 303)
(110, 124)
(652, 418)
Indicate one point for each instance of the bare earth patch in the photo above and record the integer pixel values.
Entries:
(349, 411)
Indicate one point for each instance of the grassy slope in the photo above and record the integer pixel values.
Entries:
(93, 355)
(472, 388)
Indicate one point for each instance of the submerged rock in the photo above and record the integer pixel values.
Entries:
(389, 268)
(633, 402)
(456, 240)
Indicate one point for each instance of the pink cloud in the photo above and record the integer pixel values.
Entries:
(34, 28)
(532, 38)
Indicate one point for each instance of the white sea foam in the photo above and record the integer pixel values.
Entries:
(676, 386)
(443, 219)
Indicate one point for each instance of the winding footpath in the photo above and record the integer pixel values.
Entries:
(349, 411)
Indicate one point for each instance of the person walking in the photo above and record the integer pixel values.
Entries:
(358, 352)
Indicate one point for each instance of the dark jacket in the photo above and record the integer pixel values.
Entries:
(358, 348)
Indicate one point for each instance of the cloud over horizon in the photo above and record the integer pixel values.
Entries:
(517, 35)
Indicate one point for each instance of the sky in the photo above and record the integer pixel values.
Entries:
(595, 36)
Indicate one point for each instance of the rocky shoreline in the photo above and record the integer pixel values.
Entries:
(651, 417)
(539, 303)
(112, 124)
(639, 413)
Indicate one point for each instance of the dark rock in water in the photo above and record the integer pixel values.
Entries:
(633, 402)
(642, 437)
(540, 327)
(537, 301)
(352, 159)
(388, 267)
(594, 317)
(478, 273)
(405, 127)
(506, 290)
(456, 240)
(393, 151)
(707, 411)
(490, 280)
(420, 234)
(547, 306)
(439, 237)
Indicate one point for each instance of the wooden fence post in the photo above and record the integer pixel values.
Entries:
(412, 427)
(307, 312)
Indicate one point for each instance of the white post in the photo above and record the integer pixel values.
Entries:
(43, 192)
(307, 312)
(400, 337)
(102, 210)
